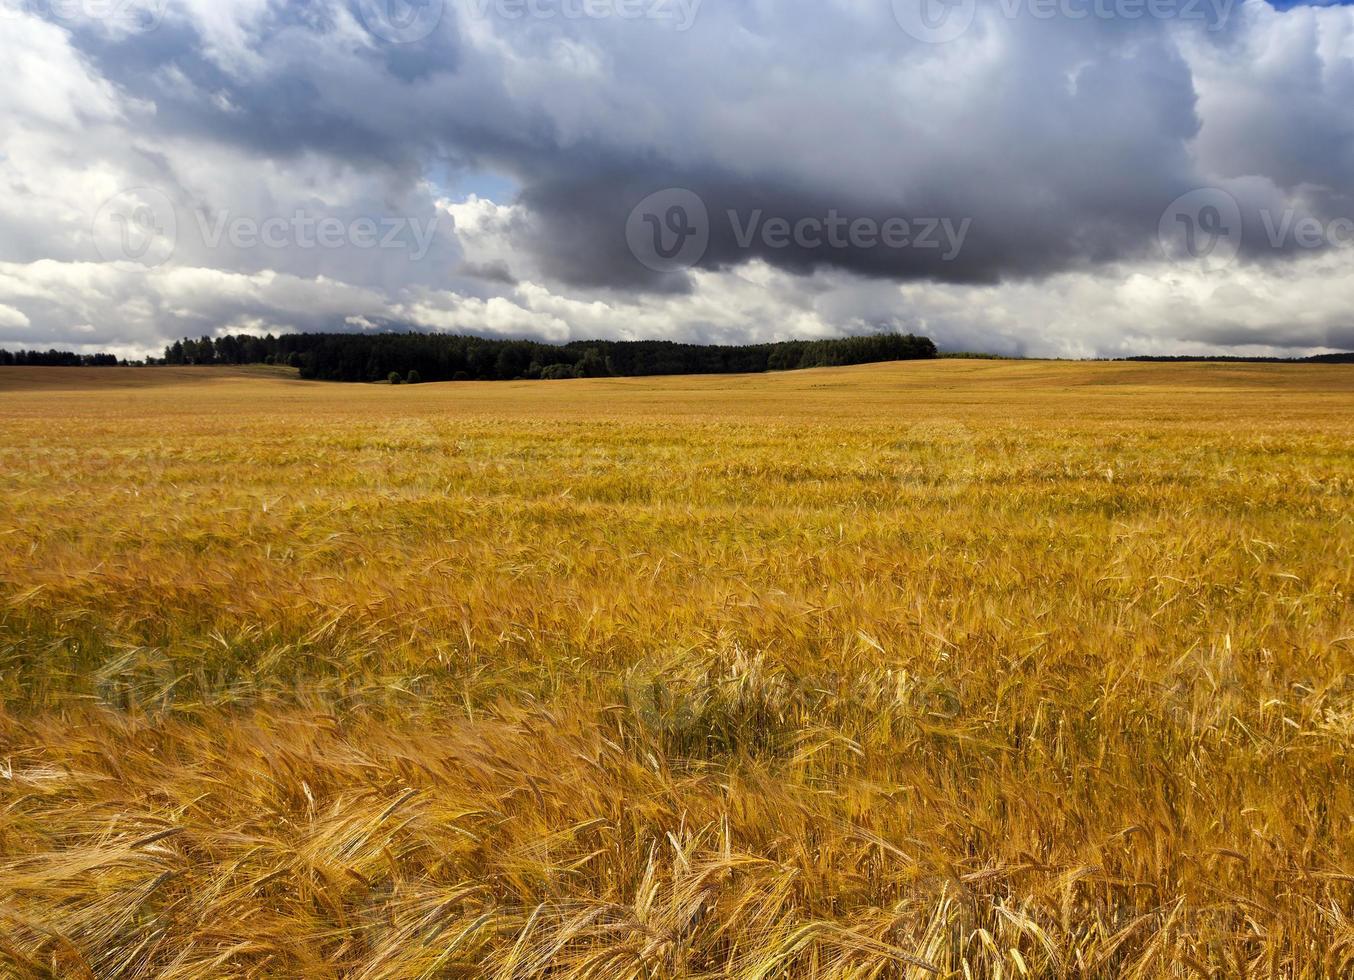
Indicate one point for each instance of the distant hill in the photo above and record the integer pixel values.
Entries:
(1346, 357)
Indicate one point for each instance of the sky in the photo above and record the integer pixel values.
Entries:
(1070, 178)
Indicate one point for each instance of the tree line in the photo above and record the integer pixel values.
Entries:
(56, 358)
(443, 357)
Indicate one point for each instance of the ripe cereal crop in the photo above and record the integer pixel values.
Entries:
(957, 669)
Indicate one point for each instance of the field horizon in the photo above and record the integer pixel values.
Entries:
(1333, 377)
(952, 668)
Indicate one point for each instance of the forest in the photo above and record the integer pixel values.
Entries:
(56, 358)
(443, 357)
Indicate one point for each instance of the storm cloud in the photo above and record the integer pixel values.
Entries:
(1079, 177)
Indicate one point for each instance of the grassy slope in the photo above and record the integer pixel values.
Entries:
(986, 666)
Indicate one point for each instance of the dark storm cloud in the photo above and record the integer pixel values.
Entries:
(489, 272)
(1050, 146)
(1059, 143)
(293, 106)
(1060, 147)
(1287, 338)
(949, 236)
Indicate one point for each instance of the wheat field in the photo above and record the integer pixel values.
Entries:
(962, 669)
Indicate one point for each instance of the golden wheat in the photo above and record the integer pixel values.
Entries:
(958, 669)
